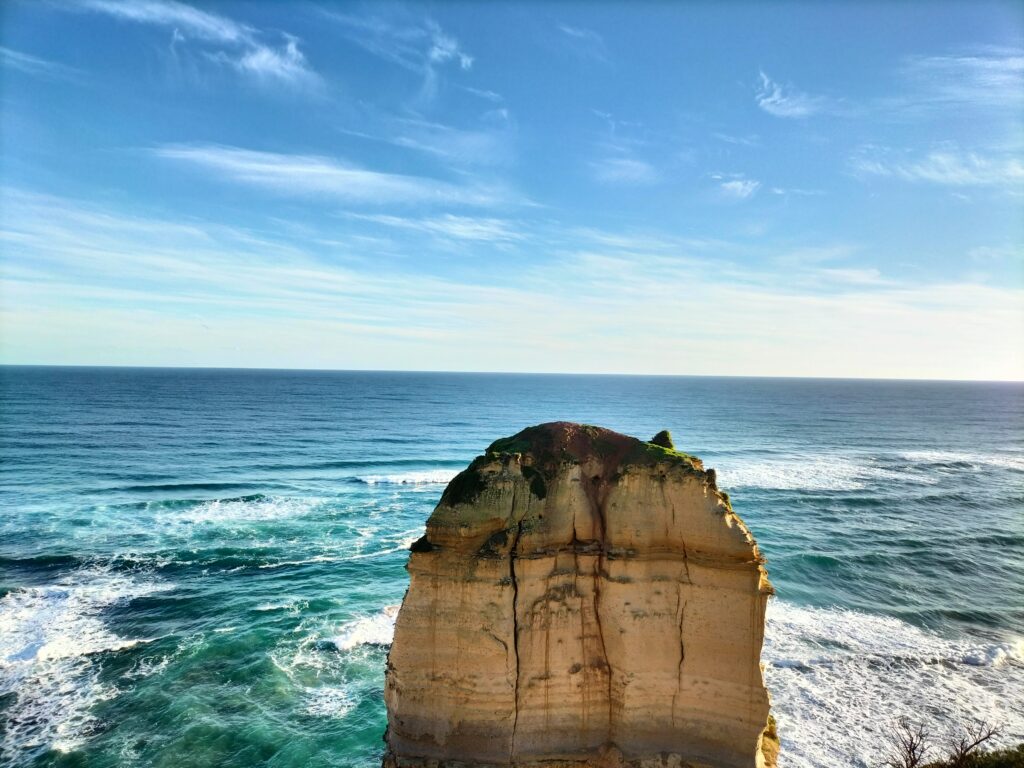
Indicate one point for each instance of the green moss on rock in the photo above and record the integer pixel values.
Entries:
(664, 439)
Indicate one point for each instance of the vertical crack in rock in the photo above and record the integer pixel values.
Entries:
(512, 555)
(596, 499)
(665, 564)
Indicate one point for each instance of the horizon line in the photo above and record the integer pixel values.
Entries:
(505, 373)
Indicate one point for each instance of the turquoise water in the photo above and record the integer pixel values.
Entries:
(201, 568)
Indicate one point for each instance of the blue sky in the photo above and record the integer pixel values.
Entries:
(799, 189)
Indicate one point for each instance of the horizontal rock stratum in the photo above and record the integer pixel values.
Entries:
(581, 598)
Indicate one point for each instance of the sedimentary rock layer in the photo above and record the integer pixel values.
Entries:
(581, 598)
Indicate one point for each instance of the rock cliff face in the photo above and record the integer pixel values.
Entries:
(581, 598)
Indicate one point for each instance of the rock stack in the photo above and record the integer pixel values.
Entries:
(581, 598)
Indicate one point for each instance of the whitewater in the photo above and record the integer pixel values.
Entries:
(204, 567)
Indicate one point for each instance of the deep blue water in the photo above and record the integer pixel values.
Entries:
(201, 567)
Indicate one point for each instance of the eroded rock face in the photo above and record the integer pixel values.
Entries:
(581, 598)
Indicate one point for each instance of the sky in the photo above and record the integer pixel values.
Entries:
(764, 189)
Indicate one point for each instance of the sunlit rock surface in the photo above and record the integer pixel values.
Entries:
(581, 598)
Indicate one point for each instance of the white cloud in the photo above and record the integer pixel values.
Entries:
(287, 63)
(740, 189)
(318, 176)
(786, 101)
(189, 20)
(946, 165)
(444, 47)
(242, 47)
(624, 170)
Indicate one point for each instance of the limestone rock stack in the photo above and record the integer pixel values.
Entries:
(581, 598)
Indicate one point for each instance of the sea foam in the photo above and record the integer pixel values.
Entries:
(376, 629)
(240, 510)
(972, 461)
(813, 473)
(839, 678)
(50, 641)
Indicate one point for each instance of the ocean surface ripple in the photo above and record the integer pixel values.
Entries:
(203, 568)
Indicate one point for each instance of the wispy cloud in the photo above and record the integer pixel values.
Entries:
(990, 77)
(483, 93)
(34, 65)
(619, 151)
(187, 19)
(989, 254)
(743, 141)
(286, 64)
(473, 147)
(418, 45)
(584, 42)
(77, 276)
(854, 276)
(319, 176)
(945, 165)
(488, 143)
(623, 170)
(242, 47)
(786, 191)
(785, 100)
(479, 229)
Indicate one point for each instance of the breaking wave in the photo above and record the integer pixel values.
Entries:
(378, 629)
(839, 678)
(422, 477)
(51, 639)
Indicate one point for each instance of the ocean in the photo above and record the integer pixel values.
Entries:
(202, 567)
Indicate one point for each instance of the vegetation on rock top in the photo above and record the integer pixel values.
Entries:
(664, 439)
(559, 441)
